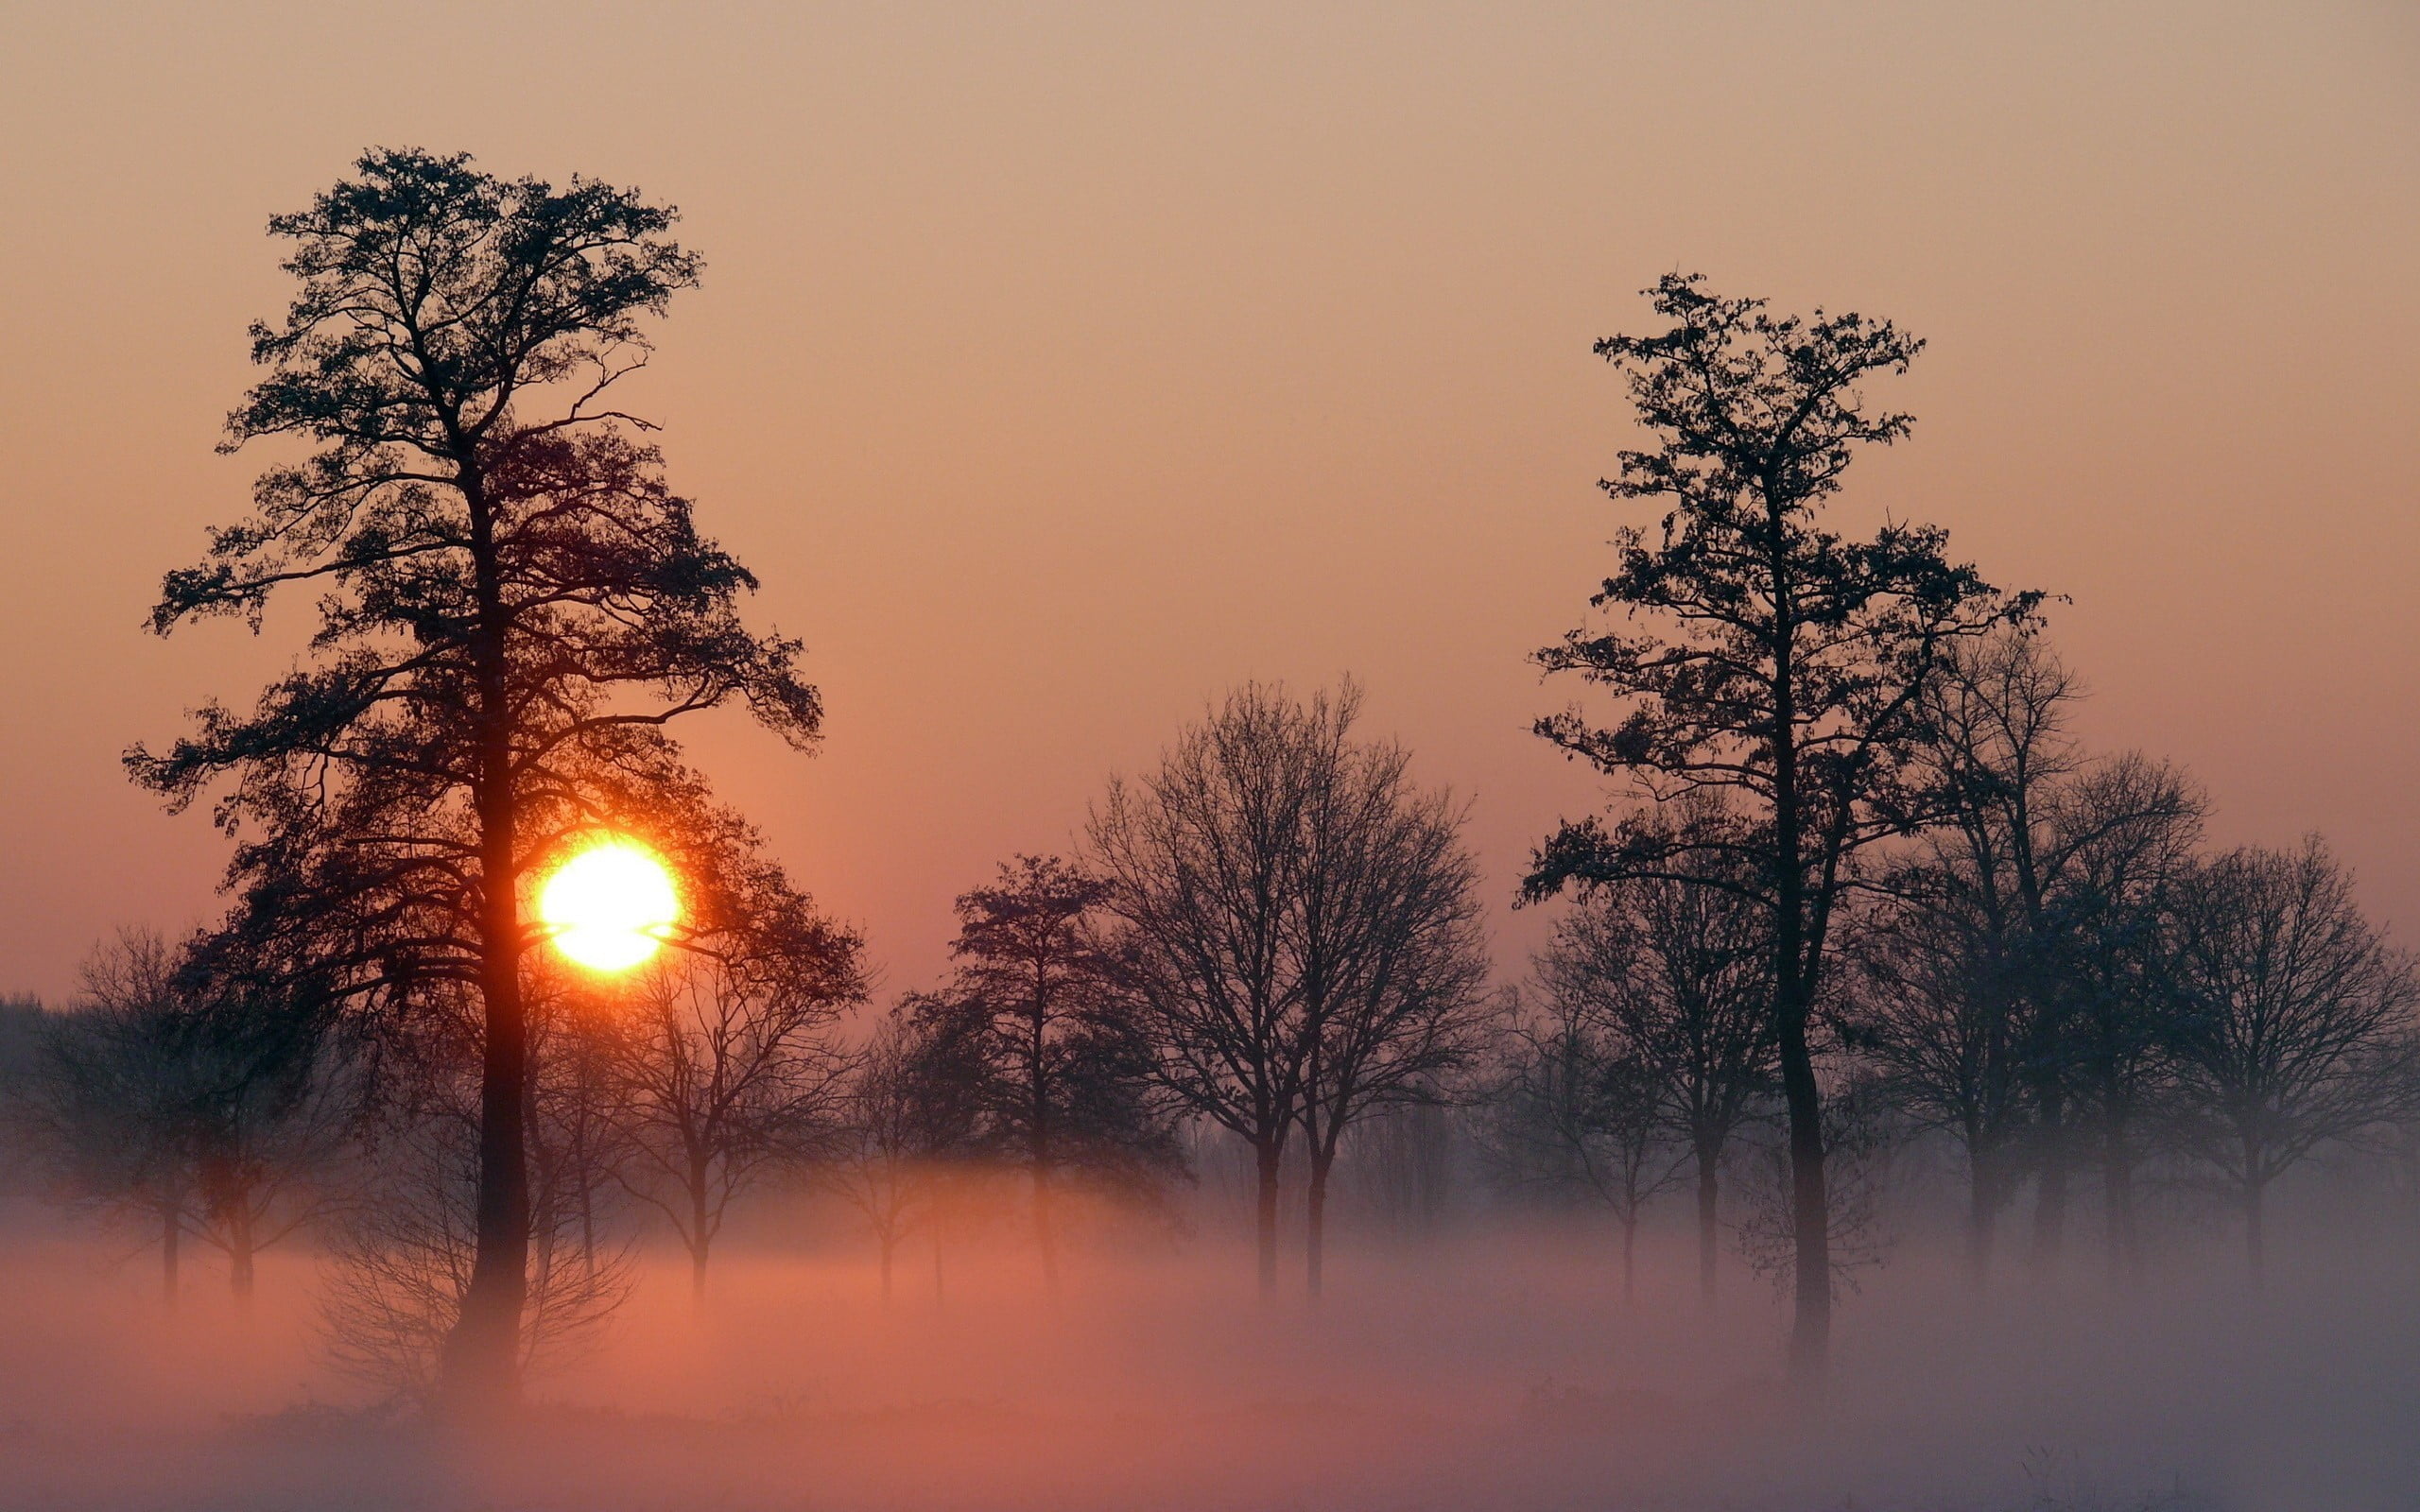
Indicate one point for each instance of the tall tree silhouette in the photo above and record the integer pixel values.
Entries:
(1778, 662)
(512, 605)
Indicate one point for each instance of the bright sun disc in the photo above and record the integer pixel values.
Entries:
(610, 906)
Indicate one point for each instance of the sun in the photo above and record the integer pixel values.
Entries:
(610, 906)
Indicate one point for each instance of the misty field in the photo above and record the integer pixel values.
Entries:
(1485, 1372)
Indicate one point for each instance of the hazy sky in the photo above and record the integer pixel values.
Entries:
(1060, 365)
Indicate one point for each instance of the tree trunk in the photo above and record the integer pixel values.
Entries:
(1810, 1336)
(699, 1241)
(479, 1370)
(239, 1252)
(940, 1296)
(889, 1244)
(1982, 1214)
(1709, 1173)
(172, 1228)
(1269, 1152)
(1044, 1234)
(2255, 1239)
(2051, 1195)
(1315, 1224)
(1629, 1259)
(2118, 1190)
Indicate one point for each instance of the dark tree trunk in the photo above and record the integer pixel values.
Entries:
(239, 1252)
(700, 1241)
(1629, 1259)
(1315, 1224)
(1709, 1174)
(1268, 1153)
(172, 1228)
(479, 1372)
(1810, 1334)
(2051, 1195)
(2117, 1189)
(941, 1294)
(1982, 1214)
(889, 1245)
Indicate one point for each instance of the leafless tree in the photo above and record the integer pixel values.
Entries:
(723, 1069)
(1573, 1109)
(909, 1104)
(1674, 972)
(2298, 1024)
(1383, 934)
(1203, 853)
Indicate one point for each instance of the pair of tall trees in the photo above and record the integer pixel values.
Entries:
(1297, 923)
(512, 608)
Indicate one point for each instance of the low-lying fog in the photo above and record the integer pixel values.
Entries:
(1497, 1368)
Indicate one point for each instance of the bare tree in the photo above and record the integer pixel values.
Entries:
(910, 1104)
(723, 1069)
(1383, 934)
(2298, 1027)
(1202, 854)
(1675, 971)
(1573, 1111)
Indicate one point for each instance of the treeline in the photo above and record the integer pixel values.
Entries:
(1856, 884)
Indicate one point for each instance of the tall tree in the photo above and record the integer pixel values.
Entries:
(512, 605)
(1783, 664)
(2298, 1026)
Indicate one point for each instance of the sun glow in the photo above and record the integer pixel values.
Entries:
(610, 906)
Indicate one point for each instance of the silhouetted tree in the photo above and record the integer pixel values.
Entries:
(147, 1102)
(1786, 664)
(512, 607)
(1676, 971)
(1067, 1069)
(1202, 854)
(1384, 937)
(1574, 1109)
(2297, 1028)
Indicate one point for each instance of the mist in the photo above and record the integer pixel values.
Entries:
(1492, 1365)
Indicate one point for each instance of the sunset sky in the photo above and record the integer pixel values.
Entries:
(1059, 366)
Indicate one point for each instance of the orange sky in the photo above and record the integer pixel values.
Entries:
(1060, 365)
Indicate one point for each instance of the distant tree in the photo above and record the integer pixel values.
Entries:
(2004, 969)
(2297, 1029)
(1787, 669)
(1676, 972)
(1203, 855)
(1573, 1111)
(1294, 920)
(1385, 940)
(147, 1102)
(912, 1103)
(1068, 1082)
(513, 606)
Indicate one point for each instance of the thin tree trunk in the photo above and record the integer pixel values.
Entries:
(1810, 1336)
(1315, 1224)
(2051, 1195)
(2255, 1240)
(889, 1244)
(2117, 1188)
(1709, 1173)
(1982, 1214)
(941, 1294)
(700, 1242)
(1268, 1153)
(1045, 1235)
(172, 1228)
(239, 1252)
(1629, 1259)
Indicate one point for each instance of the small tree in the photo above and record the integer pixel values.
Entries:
(512, 607)
(911, 1102)
(720, 1066)
(1572, 1109)
(1675, 971)
(1070, 1090)
(1786, 667)
(2297, 1030)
